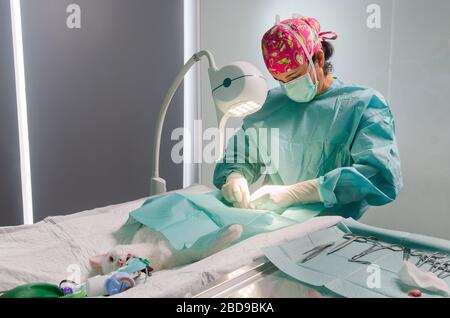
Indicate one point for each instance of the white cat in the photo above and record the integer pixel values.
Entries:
(152, 245)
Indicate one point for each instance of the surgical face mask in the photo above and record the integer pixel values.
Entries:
(300, 90)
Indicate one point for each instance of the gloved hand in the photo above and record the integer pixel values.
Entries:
(279, 198)
(236, 191)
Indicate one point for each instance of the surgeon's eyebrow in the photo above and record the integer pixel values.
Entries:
(287, 77)
(292, 75)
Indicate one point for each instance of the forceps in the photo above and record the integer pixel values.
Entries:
(440, 264)
(350, 238)
(445, 272)
(427, 258)
(408, 252)
(375, 248)
(316, 251)
(437, 266)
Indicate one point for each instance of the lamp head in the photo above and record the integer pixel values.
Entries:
(238, 89)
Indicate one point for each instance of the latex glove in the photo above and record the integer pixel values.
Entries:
(275, 198)
(236, 191)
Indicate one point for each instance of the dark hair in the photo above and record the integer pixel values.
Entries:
(328, 51)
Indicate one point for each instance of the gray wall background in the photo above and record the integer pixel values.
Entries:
(10, 185)
(406, 60)
(93, 98)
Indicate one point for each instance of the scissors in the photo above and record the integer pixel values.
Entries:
(316, 251)
(350, 238)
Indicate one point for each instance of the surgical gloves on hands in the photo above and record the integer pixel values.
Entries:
(276, 198)
(236, 191)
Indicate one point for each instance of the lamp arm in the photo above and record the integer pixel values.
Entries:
(222, 136)
(158, 184)
(208, 54)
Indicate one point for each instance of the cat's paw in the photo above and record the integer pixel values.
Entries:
(234, 232)
(226, 237)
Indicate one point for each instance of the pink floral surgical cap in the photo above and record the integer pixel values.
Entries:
(281, 49)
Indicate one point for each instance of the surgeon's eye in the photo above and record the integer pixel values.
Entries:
(111, 259)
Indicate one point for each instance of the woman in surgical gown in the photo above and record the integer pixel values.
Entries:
(336, 141)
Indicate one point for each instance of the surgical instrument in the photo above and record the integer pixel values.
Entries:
(443, 266)
(445, 273)
(437, 266)
(375, 248)
(316, 251)
(408, 252)
(350, 238)
(426, 258)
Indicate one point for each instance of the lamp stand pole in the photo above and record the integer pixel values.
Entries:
(158, 184)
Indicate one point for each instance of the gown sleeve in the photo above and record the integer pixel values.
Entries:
(375, 174)
(238, 158)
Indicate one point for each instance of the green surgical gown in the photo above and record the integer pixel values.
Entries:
(345, 137)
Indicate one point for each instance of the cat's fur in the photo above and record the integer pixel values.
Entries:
(152, 245)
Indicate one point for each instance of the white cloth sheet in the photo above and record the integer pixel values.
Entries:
(60, 247)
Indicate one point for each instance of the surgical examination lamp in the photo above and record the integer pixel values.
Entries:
(238, 90)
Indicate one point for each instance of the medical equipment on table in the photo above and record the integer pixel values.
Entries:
(424, 259)
(377, 246)
(316, 251)
(373, 249)
(444, 267)
(408, 252)
(109, 285)
(114, 283)
(37, 290)
(439, 261)
(445, 273)
(71, 288)
(350, 238)
(117, 282)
